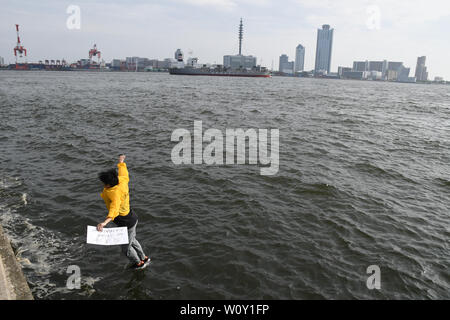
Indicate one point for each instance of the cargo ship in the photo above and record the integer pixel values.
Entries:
(233, 65)
(220, 71)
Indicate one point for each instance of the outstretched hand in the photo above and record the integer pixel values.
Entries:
(100, 227)
(121, 158)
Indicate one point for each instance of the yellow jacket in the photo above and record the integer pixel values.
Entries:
(117, 198)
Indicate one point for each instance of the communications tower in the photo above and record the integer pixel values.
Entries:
(241, 33)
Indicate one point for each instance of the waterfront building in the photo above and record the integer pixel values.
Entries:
(299, 58)
(374, 75)
(421, 70)
(376, 66)
(324, 49)
(341, 70)
(394, 65)
(284, 59)
(355, 75)
(289, 67)
(403, 74)
(153, 63)
(286, 66)
(384, 68)
(360, 65)
(391, 75)
(239, 61)
(115, 63)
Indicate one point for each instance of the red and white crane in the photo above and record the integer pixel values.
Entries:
(94, 52)
(19, 49)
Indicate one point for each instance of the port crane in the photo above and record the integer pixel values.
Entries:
(19, 50)
(94, 52)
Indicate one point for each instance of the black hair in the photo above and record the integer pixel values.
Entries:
(109, 177)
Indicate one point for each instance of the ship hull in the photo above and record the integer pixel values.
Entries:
(200, 72)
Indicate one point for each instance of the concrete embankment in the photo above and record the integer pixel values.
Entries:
(13, 285)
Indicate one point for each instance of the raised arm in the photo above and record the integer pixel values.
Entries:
(122, 166)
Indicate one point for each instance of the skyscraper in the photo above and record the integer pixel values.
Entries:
(323, 49)
(421, 70)
(299, 58)
(284, 59)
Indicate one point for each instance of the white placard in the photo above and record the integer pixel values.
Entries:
(107, 237)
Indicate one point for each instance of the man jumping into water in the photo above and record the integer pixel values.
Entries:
(117, 199)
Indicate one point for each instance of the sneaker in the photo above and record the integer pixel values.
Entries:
(139, 265)
(146, 259)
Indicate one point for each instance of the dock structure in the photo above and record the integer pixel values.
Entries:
(13, 285)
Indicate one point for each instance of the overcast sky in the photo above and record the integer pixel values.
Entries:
(396, 30)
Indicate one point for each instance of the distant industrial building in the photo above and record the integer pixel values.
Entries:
(341, 71)
(360, 65)
(391, 75)
(374, 75)
(239, 61)
(394, 65)
(299, 58)
(324, 49)
(421, 70)
(286, 66)
(380, 66)
(356, 75)
(2, 61)
(117, 64)
(138, 64)
(403, 74)
(382, 70)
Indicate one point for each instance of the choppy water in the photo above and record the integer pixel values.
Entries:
(364, 179)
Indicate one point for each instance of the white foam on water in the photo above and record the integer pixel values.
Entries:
(9, 182)
(24, 199)
(86, 287)
(39, 251)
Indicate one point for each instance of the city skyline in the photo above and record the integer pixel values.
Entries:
(208, 29)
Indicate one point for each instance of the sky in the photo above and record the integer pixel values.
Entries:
(395, 30)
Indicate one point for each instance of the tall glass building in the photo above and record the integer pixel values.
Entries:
(421, 70)
(299, 58)
(323, 49)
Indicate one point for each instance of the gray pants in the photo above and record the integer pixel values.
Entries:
(133, 249)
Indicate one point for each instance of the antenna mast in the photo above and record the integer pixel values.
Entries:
(241, 31)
